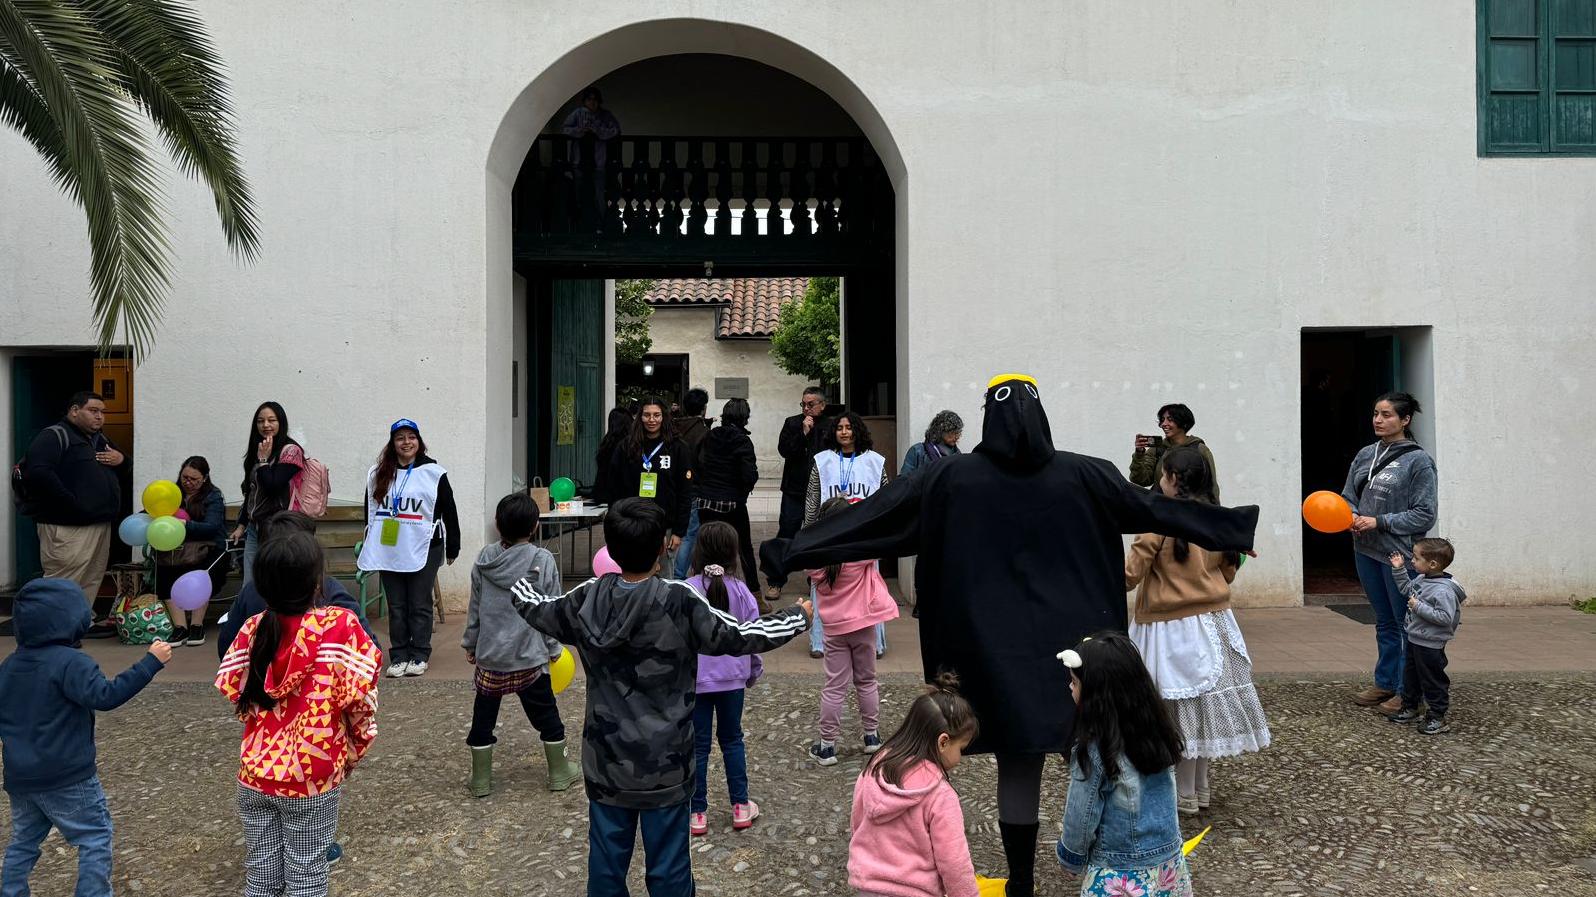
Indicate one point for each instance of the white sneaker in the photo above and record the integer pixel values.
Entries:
(398, 670)
(417, 668)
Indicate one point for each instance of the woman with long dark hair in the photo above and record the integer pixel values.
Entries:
(653, 464)
(724, 476)
(1189, 639)
(1391, 487)
(303, 679)
(411, 528)
(271, 461)
(616, 430)
(848, 468)
(204, 548)
(1120, 825)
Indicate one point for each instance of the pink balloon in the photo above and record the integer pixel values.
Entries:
(603, 563)
(192, 590)
(180, 514)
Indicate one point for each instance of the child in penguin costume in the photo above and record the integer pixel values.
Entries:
(1019, 555)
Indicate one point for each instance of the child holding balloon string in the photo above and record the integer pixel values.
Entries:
(512, 658)
(1189, 640)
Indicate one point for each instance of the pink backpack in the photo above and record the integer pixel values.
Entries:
(308, 492)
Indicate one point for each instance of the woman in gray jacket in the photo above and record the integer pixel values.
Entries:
(1391, 488)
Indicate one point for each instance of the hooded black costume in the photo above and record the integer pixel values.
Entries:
(1020, 556)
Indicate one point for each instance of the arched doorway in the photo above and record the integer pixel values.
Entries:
(551, 91)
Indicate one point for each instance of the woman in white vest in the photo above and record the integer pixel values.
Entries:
(411, 528)
(848, 467)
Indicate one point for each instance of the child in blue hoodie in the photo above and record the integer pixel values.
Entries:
(51, 691)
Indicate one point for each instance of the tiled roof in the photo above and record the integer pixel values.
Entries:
(750, 306)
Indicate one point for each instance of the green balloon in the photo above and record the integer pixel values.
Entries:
(562, 489)
(166, 533)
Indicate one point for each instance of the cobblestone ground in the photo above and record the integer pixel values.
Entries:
(1343, 803)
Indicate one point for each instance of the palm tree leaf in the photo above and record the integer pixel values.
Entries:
(173, 72)
(22, 108)
(57, 49)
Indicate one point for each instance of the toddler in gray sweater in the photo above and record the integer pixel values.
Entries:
(1435, 608)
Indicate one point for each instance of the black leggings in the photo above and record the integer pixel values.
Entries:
(537, 700)
(1019, 788)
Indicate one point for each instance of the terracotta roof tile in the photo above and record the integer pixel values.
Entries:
(750, 306)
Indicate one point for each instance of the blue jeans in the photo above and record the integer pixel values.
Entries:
(79, 812)
(720, 715)
(817, 632)
(1390, 617)
(251, 548)
(611, 835)
(684, 553)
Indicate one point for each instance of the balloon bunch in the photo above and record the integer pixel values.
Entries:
(162, 526)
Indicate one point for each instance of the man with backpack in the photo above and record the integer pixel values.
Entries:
(69, 486)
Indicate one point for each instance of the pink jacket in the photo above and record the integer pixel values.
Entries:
(859, 599)
(908, 840)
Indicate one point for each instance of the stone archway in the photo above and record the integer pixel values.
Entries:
(585, 64)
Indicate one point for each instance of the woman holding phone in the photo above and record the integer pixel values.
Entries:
(1147, 464)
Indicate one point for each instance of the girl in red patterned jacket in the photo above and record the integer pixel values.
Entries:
(304, 679)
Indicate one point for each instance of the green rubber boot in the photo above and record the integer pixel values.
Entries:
(562, 772)
(482, 770)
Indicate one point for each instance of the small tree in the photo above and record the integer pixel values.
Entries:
(632, 341)
(808, 338)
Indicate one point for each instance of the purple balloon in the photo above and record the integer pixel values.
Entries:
(192, 590)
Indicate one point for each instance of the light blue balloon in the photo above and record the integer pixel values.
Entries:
(134, 529)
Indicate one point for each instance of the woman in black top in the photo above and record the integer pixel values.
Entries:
(271, 462)
(204, 548)
(724, 475)
(620, 426)
(652, 463)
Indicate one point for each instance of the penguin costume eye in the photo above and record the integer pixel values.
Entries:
(1032, 390)
(1001, 395)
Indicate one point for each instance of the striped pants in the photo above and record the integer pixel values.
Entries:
(285, 842)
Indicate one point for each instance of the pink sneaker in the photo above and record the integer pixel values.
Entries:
(743, 815)
(698, 824)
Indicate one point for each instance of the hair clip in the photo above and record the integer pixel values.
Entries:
(714, 570)
(1070, 659)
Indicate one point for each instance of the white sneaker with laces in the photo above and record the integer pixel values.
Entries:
(417, 668)
(398, 670)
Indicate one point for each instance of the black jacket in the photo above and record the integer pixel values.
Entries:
(65, 485)
(727, 468)
(799, 451)
(674, 464)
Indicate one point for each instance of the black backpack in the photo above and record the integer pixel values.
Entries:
(19, 491)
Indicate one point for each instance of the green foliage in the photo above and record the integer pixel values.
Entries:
(1588, 606)
(632, 340)
(808, 338)
(75, 75)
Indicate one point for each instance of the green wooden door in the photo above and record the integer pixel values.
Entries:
(576, 378)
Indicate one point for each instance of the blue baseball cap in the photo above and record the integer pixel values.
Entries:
(403, 423)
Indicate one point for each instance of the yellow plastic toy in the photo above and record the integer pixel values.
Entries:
(990, 887)
(1191, 845)
(562, 671)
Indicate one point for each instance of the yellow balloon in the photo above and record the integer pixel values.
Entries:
(562, 671)
(162, 498)
(1191, 845)
(991, 887)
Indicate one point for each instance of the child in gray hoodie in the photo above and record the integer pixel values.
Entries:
(1435, 608)
(512, 658)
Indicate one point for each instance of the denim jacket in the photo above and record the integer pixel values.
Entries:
(1126, 823)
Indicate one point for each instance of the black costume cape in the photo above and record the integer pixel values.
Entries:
(1020, 556)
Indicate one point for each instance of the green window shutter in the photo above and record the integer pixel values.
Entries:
(1512, 83)
(1572, 69)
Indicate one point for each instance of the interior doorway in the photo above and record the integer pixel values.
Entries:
(42, 383)
(1343, 371)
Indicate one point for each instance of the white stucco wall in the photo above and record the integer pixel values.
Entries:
(1135, 202)
(773, 394)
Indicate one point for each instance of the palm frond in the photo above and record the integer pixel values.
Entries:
(22, 108)
(72, 68)
(174, 73)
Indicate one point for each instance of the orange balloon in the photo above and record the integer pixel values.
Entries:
(1327, 512)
